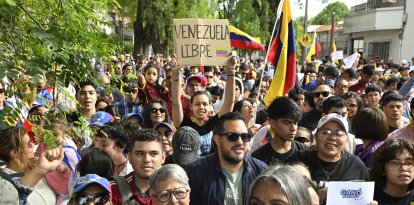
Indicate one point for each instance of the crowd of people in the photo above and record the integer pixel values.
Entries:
(148, 131)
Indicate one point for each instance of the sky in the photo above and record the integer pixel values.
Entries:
(316, 6)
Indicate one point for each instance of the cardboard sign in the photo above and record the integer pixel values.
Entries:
(337, 55)
(350, 193)
(201, 41)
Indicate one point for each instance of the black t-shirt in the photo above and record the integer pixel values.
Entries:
(269, 156)
(384, 199)
(204, 129)
(310, 119)
(392, 129)
(349, 168)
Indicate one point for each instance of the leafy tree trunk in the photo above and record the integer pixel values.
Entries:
(139, 29)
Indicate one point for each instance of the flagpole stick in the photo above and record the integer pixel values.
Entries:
(279, 8)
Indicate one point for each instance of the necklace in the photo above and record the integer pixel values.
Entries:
(328, 174)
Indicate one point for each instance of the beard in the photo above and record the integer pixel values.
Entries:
(226, 155)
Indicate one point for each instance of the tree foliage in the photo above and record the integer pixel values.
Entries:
(325, 16)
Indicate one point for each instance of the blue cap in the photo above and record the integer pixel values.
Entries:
(84, 181)
(100, 118)
(135, 115)
(164, 124)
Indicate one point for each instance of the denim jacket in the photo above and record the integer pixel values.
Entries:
(208, 183)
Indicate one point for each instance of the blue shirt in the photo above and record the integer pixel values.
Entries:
(125, 108)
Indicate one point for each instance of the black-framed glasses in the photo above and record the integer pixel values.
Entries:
(165, 195)
(327, 133)
(397, 164)
(318, 94)
(352, 105)
(232, 136)
(155, 110)
(167, 133)
(98, 199)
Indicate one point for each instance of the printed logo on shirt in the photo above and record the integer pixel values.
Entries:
(231, 195)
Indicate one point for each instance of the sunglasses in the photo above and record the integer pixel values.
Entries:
(342, 86)
(233, 137)
(98, 199)
(324, 94)
(1, 90)
(155, 110)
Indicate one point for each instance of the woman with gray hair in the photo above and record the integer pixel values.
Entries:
(169, 183)
(279, 183)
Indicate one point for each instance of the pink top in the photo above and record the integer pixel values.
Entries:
(403, 132)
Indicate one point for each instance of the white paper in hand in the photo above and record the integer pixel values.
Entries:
(350, 193)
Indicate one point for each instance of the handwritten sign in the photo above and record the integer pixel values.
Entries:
(350, 193)
(201, 41)
(337, 55)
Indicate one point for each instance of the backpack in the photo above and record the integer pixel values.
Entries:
(126, 194)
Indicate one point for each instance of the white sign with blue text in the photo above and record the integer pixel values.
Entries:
(350, 193)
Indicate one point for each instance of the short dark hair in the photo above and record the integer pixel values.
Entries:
(201, 92)
(391, 80)
(386, 153)
(208, 69)
(126, 65)
(284, 107)
(331, 71)
(219, 126)
(373, 88)
(145, 135)
(151, 65)
(83, 83)
(391, 96)
(116, 132)
(368, 69)
(377, 121)
(95, 161)
(333, 101)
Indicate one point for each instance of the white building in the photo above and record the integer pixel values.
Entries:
(381, 29)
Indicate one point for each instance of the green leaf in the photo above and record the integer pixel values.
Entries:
(11, 2)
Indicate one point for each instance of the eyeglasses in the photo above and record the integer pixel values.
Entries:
(345, 87)
(165, 195)
(352, 105)
(324, 94)
(155, 110)
(328, 133)
(98, 199)
(397, 164)
(233, 137)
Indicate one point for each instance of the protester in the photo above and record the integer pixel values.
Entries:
(186, 146)
(372, 136)
(169, 184)
(354, 102)
(91, 188)
(278, 143)
(248, 109)
(227, 173)
(279, 183)
(167, 131)
(113, 139)
(393, 172)
(373, 95)
(148, 84)
(155, 112)
(145, 155)
(393, 106)
(131, 103)
(200, 106)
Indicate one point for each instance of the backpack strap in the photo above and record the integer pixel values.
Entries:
(124, 189)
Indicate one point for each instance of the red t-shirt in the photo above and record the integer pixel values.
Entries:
(141, 198)
(359, 87)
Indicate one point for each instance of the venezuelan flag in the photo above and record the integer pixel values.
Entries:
(242, 40)
(315, 47)
(282, 54)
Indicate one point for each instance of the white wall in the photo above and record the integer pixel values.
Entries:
(380, 36)
(407, 51)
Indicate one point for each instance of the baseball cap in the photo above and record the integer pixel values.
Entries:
(333, 117)
(100, 118)
(405, 62)
(164, 124)
(88, 179)
(202, 79)
(186, 145)
(134, 115)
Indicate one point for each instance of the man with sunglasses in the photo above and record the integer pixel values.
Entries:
(279, 146)
(131, 103)
(224, 177)
(310, 119)
(341, 87)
